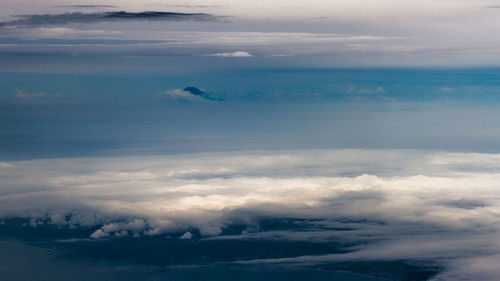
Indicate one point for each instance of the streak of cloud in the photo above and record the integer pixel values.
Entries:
(33, 20)
(236, 54)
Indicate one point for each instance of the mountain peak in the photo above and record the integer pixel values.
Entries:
(197, 92)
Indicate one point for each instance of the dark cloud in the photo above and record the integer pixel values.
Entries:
(77, 17)
(85, 6)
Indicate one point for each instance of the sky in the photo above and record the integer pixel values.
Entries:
(221, 140)
(68, 36)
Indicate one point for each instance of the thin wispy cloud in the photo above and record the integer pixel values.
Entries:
(366, 91)
(86, 6)
(447, 90)
(236, 54)
(186, 5)
(22, 94)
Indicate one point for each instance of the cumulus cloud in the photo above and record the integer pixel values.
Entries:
(120, 229)
(236, 54)
(187, 235)
(441, 208)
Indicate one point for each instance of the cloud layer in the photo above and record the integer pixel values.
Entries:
(441, 208)
(236, 54)
(77, 17)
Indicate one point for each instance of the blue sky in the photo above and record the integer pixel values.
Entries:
(222, 140)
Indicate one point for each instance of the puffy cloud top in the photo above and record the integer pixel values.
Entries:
(412, 205)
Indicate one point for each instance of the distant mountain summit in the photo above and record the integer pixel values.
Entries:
(197, 92)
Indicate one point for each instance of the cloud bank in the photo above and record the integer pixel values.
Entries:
(439, 208)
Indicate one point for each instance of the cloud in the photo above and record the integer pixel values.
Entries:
(143, 44)
(404, 36)
(187, 6)
(365, 91)
(5, 165)
(187, 235)
(380, 90)
(77, 17)
(21, 94)
(439, 208)
(85, 6)
(236, 54)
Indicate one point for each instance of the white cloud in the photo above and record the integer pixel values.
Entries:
(120, 229)
(187, 235)
(424, 206)
(365, 91)
(179, 94)
(237, 54)
(99, 234)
